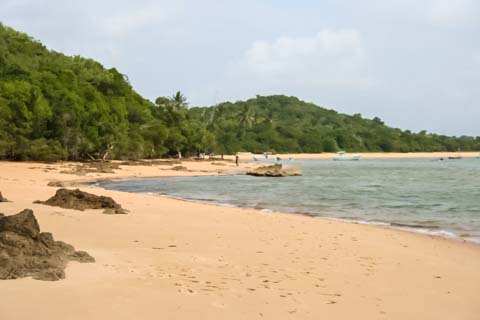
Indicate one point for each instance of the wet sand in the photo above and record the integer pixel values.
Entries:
(173, 259)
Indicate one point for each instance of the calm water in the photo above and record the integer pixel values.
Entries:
(425, 195)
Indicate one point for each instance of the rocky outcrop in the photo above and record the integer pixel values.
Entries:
(79, 200)
(276, 170)
(56, 183)
(27, 252)
(2, 199)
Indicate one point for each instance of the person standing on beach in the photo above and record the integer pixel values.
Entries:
(236, 159)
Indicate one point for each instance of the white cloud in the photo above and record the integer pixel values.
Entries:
(327, 60)
(450, 12)
(150, 14)
(440, 13)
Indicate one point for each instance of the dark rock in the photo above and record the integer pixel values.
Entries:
(275, 170)
(2, 199)
(25, 252)
(56, 183)
(79, 200)
(23, 223)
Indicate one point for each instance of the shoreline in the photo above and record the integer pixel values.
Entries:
(367, 155)
(181, 260)
(441, 233)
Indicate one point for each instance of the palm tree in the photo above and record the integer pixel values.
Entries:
(246, 117)
(179, 101)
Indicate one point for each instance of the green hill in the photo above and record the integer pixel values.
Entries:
(54, 107)
(57, 107)
(287, 124)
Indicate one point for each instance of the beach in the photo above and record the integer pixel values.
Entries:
(175, 259)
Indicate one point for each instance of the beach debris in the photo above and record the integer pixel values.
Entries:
(151, 162)
(79, 200)
(276, 170)
(92, 167)
(2, 199)
(180, 168)
(27, 252)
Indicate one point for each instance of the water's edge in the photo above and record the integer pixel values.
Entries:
(438, 233)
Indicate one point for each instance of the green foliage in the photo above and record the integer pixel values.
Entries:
(56, 107)
(287, 124)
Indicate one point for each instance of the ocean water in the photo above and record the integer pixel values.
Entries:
(422, 195)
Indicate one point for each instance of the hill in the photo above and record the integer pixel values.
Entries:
(287, 124)
(57, 107)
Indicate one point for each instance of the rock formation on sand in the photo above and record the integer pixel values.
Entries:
(2, 199)
(56, 183)
(25, 251)
(79, 200)
(275, 170)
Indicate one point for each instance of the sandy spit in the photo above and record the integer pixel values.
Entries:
(173, 259)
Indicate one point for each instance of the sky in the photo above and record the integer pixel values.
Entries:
(413, 63)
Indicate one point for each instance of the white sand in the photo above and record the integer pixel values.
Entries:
(172, 259)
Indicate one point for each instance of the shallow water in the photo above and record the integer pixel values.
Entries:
(424, 195)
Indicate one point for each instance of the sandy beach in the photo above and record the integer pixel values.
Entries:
(173, 259)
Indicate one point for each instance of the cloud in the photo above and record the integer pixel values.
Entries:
(324, 62)
(414, 63)
(450, 12)
(99, 29)
(437, 13)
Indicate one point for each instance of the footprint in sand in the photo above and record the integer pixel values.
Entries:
(183, 289)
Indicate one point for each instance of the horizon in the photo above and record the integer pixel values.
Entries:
(414, 65)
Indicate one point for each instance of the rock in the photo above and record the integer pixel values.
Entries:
(2, 199)
(23, 223)
(275, 170)
(56, 183)
(25, 252)
(79, 200)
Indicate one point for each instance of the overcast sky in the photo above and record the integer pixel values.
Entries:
(413, 63)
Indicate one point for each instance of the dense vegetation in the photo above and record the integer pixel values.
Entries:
(287, 124)
(56, 107)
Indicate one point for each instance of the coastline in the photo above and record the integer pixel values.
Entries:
(181, 259)
(369, 155)
(440, 233)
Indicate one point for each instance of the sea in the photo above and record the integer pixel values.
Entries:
(432, 196)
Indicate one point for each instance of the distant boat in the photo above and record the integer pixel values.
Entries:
(455, 157)
(342, 157)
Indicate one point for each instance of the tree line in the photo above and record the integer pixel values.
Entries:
(288, 125)
(57, 107)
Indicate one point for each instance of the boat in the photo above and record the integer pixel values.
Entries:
(342, 157)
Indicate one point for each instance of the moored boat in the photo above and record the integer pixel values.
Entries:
(342, 157)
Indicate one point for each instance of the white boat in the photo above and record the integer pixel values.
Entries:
(342, 157)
